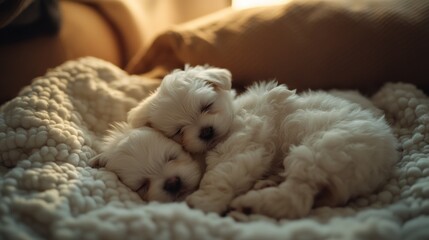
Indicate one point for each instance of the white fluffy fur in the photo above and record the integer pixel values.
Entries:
(180, 115)
(294, 150)
(145, 160)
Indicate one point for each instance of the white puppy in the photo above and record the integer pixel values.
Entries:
(155, 167)
(322, 149)
(193, 107)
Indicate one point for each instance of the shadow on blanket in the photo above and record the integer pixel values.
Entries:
(52, 128)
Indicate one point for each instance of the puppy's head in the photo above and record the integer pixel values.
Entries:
(191, 106)
(155, 167)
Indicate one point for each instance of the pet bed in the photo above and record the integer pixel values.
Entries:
(53, 127)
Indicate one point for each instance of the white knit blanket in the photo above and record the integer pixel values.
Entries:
(47, 190)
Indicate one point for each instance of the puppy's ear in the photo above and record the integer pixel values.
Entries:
(98, 161)
(219, 77)
(139, 115)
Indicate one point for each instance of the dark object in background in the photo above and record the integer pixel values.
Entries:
(33, 18)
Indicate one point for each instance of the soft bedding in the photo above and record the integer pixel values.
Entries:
(47, 190)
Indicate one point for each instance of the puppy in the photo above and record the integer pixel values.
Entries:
(321, 149)
(155, 167)
(193, 107)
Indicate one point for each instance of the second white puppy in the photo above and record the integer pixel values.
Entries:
(155, 167)
(325, 149)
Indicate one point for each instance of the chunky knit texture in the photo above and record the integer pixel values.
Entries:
(47, 190)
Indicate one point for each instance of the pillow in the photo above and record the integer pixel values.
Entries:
(306, 44)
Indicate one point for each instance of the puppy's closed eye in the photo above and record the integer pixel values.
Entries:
(206, 108)
(178, 132)
(142, 190)
(172, 158)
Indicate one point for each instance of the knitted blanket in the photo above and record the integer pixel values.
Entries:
(47, 190)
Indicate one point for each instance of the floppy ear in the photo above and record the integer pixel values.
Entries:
(118, 132)
(97, 161)
(219, 77)
(139, 115)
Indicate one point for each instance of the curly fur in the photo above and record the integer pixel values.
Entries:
(323, 149)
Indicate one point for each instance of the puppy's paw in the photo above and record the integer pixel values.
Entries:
(247, 204)
(270, 202)
(216, 203)
(239, 216)
(260, 184)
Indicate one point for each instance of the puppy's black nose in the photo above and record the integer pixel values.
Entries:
(206, 133)
(173, 185)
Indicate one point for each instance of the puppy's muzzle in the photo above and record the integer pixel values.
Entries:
(207, 133)
(173, 185)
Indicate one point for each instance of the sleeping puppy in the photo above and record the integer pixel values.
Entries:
(320, 149)
(193, 107)
(155, 167)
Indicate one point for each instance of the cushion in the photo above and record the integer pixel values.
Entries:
(305, 44)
